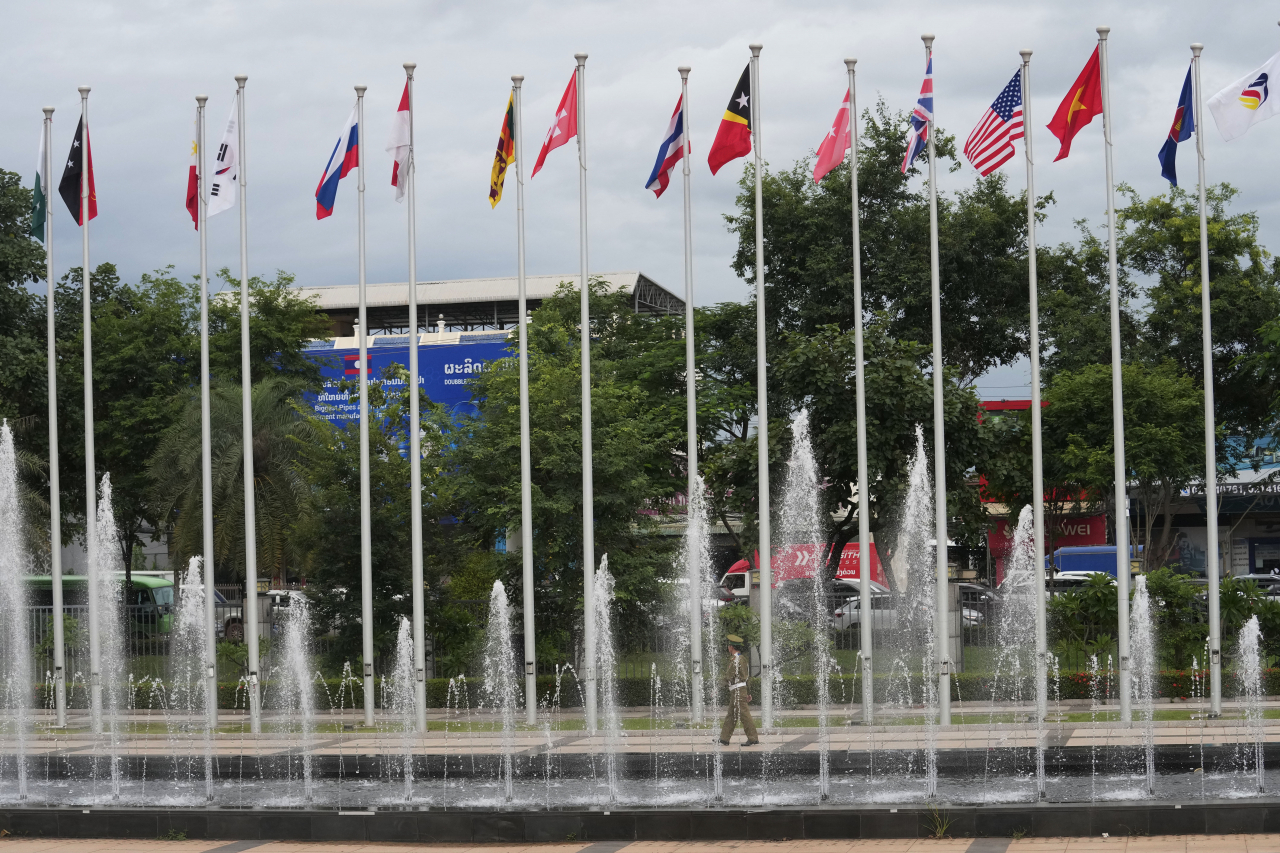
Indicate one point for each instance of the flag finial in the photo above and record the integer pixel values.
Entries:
(83, 90)
(409, 66)
(755, 49)
(849, 62)
(517, 79)
(927, 38)
(1196, 48)
(202, 99)
(581, 57)
(48, 112)
(684, 72)
(1102, 32)
(241, 78)
(1025, 53)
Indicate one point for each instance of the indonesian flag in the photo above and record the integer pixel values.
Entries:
(566, 123)
(831, 151)
(400, 144)
(193, 184)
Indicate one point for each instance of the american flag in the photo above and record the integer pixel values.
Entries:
(921, 116)
(991, 143)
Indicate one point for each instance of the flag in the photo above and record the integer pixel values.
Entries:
(733, 139)
(506, 153)
(39, 197)
(921, 116)
(831, 151)
(990, 145)
(564, 127)
(344, 157)
(69, 186)
(1246, 102)
(399, 143)
(223, 182)
(669, 153)
(1082, 103)
(1184, 123)
(193, 183)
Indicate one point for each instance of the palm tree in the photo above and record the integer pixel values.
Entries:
(280, 492)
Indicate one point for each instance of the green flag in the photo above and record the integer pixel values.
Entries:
(39, 195)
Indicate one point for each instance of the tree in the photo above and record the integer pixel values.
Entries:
(282, 429)
(22, 321)
(808, 249)
(637, 364)
(1163, 424)
(1161, 238)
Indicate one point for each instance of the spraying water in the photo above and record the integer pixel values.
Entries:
(188, 692)
(15, 643)
(1142, 651)
(1015, 630)
(1249, 673)
(500, 676)
(695, 557)
(802, 525)
(293, 685)
(911, 652)
(108, 596)
(607, 675)
(401, 697)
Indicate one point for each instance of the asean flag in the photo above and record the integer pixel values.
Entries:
(345, 157)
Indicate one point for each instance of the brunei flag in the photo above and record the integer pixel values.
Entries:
(506, 153)
(733, 139)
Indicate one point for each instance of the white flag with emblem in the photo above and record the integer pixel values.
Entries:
(1247, 101)
(226, 168)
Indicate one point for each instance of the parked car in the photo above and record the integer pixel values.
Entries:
(228, 615)
(884, 614)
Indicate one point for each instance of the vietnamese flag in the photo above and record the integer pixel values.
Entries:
(1082, 103)
(733, 139)
(193, 185)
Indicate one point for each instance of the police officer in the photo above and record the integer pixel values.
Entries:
(736, 675)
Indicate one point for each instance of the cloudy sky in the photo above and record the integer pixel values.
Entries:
(147, 59)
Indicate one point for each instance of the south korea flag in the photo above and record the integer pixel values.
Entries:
(225, 168)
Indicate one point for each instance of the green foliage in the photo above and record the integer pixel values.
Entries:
(741, 620)
(1181, 618)
(1082, 615)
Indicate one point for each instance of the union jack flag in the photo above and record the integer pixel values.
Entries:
(991, 143)
(921, 117)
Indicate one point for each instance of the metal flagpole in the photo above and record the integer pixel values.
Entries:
(90, 478)
(206, 430)
(246, 433)
(526, 463)
(55, 488)
(1037, 452)
(1117, 405)
(366, 533)
(942, 634)
(864, 499)
(1210, 439)
(762, 408)
(691, 412)
(415, 439)
(588, 486)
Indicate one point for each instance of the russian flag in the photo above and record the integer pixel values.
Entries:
(669, 153)
(345, 157)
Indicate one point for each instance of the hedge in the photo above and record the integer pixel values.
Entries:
(637, 692)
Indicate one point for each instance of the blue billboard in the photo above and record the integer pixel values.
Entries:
(444, 373)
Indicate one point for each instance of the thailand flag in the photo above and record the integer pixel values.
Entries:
(345, 157)
(670, 152)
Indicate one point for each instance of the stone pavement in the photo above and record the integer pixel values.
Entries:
(1157, 844)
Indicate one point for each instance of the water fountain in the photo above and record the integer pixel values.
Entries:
(1015, 617)
(607, 675)
(1142, 650)
(293, 694)
(401, 697)
(1249, 674)
(500, 677)
(188, 693)
(807, 598)
(109, 596)
(15, 642)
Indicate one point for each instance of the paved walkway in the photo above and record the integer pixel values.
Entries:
(1159, 844)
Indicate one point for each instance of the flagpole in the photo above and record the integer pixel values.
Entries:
(206, 431)
(1037, 446)
(366, 533)
(415, 438)
(526, 463)
(864, 500)
(55, 487)
(691, 414)
(1210, 432)
(1117, 404)
(942, 634)
(762, 416)
(90, 480)
(588, 486)
(250, 615)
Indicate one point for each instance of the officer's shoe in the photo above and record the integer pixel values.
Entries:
(752, 743)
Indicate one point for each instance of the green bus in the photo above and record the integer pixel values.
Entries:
(149, 598)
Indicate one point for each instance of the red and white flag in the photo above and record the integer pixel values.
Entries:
(193, 184)
(832, 150)
(400, 143)
(565, 126)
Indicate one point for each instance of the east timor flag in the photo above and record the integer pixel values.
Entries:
(506, 153)
(733, 139)
(1078, 108)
